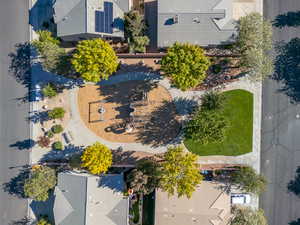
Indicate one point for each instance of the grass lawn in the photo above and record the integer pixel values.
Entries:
(148, 209)
(238, 109)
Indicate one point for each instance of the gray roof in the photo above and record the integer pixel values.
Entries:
(202, 22)
(77, 17)
(83, 199)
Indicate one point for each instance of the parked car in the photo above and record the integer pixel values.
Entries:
(240, 199)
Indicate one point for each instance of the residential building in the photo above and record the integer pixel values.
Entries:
(85, 19)
(84, 199)
(201, 22)
(209, 205)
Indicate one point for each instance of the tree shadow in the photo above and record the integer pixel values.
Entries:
(15, 185)
(294, 185)
(62, 155)
(185, 106)
(289, 19)
(287, 68)
(38, 117)
(20, 64)
(23, 145)
(161, 127)
(295, 222)
(23, 221)
(40, 209)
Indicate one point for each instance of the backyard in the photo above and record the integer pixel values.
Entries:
(238, 109)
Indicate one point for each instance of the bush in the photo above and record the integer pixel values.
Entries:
(49, 134)
(56, 113)
(212, 101)
(216, 68)
(49, 91)
(186, 64)
(40, 182)
(206, 127)
(56, 129)
(139, 44)
(225, 61)
(75, 161)
(57, 145)
(43, 142)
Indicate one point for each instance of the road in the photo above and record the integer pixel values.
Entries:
(280, 133)
(13, 125)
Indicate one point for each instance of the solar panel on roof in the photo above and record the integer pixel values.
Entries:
(99, 23)
(104, 19)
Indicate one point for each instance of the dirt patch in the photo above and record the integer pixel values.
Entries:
(112, 125)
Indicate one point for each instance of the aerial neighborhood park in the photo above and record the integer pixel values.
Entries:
(144, 112)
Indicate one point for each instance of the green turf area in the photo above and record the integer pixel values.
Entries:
(238, 109)
(148, 209)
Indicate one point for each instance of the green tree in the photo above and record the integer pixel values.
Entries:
(206, 127)
(48, 48)
(49, 90)
(248, 216)
(94, 60)
(139, 44)
(179, 172)
(134, 24)
(56, 113)
(97, 158)
(254, 41)
(247, 179)
(186, 64)
(58, 146)
(40, 182)
(145, 178)
(57, 128)
(212, 100)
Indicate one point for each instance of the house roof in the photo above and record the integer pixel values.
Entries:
(202, 22)
(74, 17)
(82, 199)
(209, 205)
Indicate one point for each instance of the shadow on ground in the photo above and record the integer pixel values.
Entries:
(61, 155)
(162, 126)
(24, 221)
(295, 222)
(294, 185)
(20, 63)
(23, 145)
(38, 116)
(15, 185)
(289, 19)
(287, 68)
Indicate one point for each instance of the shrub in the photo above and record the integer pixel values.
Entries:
(212, 101)
(40, 182)
(186, 64)
(49, 134)
(43, 142)
(56, 113)
(57, 145)
(206, 127)
(57, 128)
(225, 61)
(139, 44)
(75, 161)
(49, 91)
(216, 68)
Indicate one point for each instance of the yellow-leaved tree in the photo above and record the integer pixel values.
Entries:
(96, 158)
(94, 60)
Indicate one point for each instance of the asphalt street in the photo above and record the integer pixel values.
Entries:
(280, 132)
(13, 125)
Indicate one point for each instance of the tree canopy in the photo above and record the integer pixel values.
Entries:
(56, 113)
(179, 172)
(186, 64)
(207, 126)
(254, 41)
(96, 158)
(247, 179)
(42, 179)
(212, 100)
(94, 60)
(145, 178)
(248, 216)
